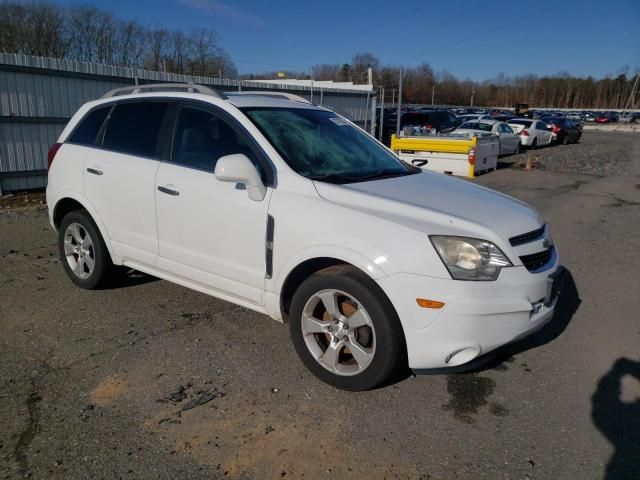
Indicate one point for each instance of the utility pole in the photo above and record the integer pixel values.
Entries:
(393, 97)
(473, 92)
(381, 113)
(399, 105)
(433, 94)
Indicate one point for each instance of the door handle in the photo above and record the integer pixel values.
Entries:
(169, 191)
(94, 171)
(419, 163)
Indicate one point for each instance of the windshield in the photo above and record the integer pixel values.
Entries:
(322, 146)
(526, 123)
(485, 127)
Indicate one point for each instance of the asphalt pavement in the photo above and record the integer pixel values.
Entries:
(151, 380)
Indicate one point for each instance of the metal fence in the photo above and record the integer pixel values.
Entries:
(38, 96)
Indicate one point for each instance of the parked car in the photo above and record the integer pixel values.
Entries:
(590, 117)
(436, 120)
(563, 130)
(603, 119)
(532, 133)
(474, 116)
(509, 141)
(291, 210)
(627, 117)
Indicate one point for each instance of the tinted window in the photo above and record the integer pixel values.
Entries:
(505, 128)
(201, 138)
(88, 128)
(414, 119)
(541, 126)
(133, 128)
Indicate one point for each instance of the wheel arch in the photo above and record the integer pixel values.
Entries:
(306, 267)
(69, 202)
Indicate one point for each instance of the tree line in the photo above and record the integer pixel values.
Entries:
(89, 34)
(422, 85)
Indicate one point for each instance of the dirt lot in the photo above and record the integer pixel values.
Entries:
(150, 380)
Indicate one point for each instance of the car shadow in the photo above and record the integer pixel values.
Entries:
(619, 420)
(127, 277)
(568, 303)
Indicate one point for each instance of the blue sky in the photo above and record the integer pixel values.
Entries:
(470, 39)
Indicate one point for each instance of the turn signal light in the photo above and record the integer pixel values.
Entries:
(424, 303)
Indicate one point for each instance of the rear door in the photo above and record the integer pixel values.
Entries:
(119, 177)
(211, 232)
(543, 133)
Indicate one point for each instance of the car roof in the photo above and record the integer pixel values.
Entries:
(238, 99)
(248, 100)
(484, 120)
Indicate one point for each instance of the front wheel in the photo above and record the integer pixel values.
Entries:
(345, 330)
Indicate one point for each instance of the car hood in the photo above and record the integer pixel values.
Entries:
(437, 204)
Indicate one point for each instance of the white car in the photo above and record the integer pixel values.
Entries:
(509, 141)
(289, 209)
(473, 116)
(532, 133)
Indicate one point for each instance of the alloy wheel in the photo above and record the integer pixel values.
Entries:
(338, 332)
(79, 251)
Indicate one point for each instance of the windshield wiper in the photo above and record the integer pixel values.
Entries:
(335, 178)
(351, 178)
(379, 174)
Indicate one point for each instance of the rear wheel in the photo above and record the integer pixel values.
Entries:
(345, 330)
(534, 144)
(83, 252)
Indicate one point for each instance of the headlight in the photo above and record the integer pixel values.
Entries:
(470, 258)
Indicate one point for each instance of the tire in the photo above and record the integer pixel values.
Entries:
(517, 150)
(565, 139)
(534, 144)
(80, 245)
(324, 340)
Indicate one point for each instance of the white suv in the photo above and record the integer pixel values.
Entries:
(288, 209)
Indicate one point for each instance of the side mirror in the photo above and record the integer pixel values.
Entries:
(237, 168)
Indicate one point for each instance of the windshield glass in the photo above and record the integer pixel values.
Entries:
(485, 127)
(322, 146)
(526, 123)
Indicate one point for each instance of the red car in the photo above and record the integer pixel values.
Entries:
(602, 119)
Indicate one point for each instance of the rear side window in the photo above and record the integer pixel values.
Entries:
(87, 130)
(133, 128)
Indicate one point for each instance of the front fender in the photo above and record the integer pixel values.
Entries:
(367, 265)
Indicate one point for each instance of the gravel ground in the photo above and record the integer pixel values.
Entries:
(151, 380)
(598, 153)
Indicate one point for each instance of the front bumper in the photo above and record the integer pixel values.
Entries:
(477, 318)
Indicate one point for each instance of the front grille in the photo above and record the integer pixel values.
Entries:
(537, 260)
(527, 237)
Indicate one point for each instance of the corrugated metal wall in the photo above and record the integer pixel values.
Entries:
(38, 95)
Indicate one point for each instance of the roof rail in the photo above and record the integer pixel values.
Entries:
(164, 87)
(285, 95)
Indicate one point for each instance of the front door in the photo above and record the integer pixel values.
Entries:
(210, 232)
